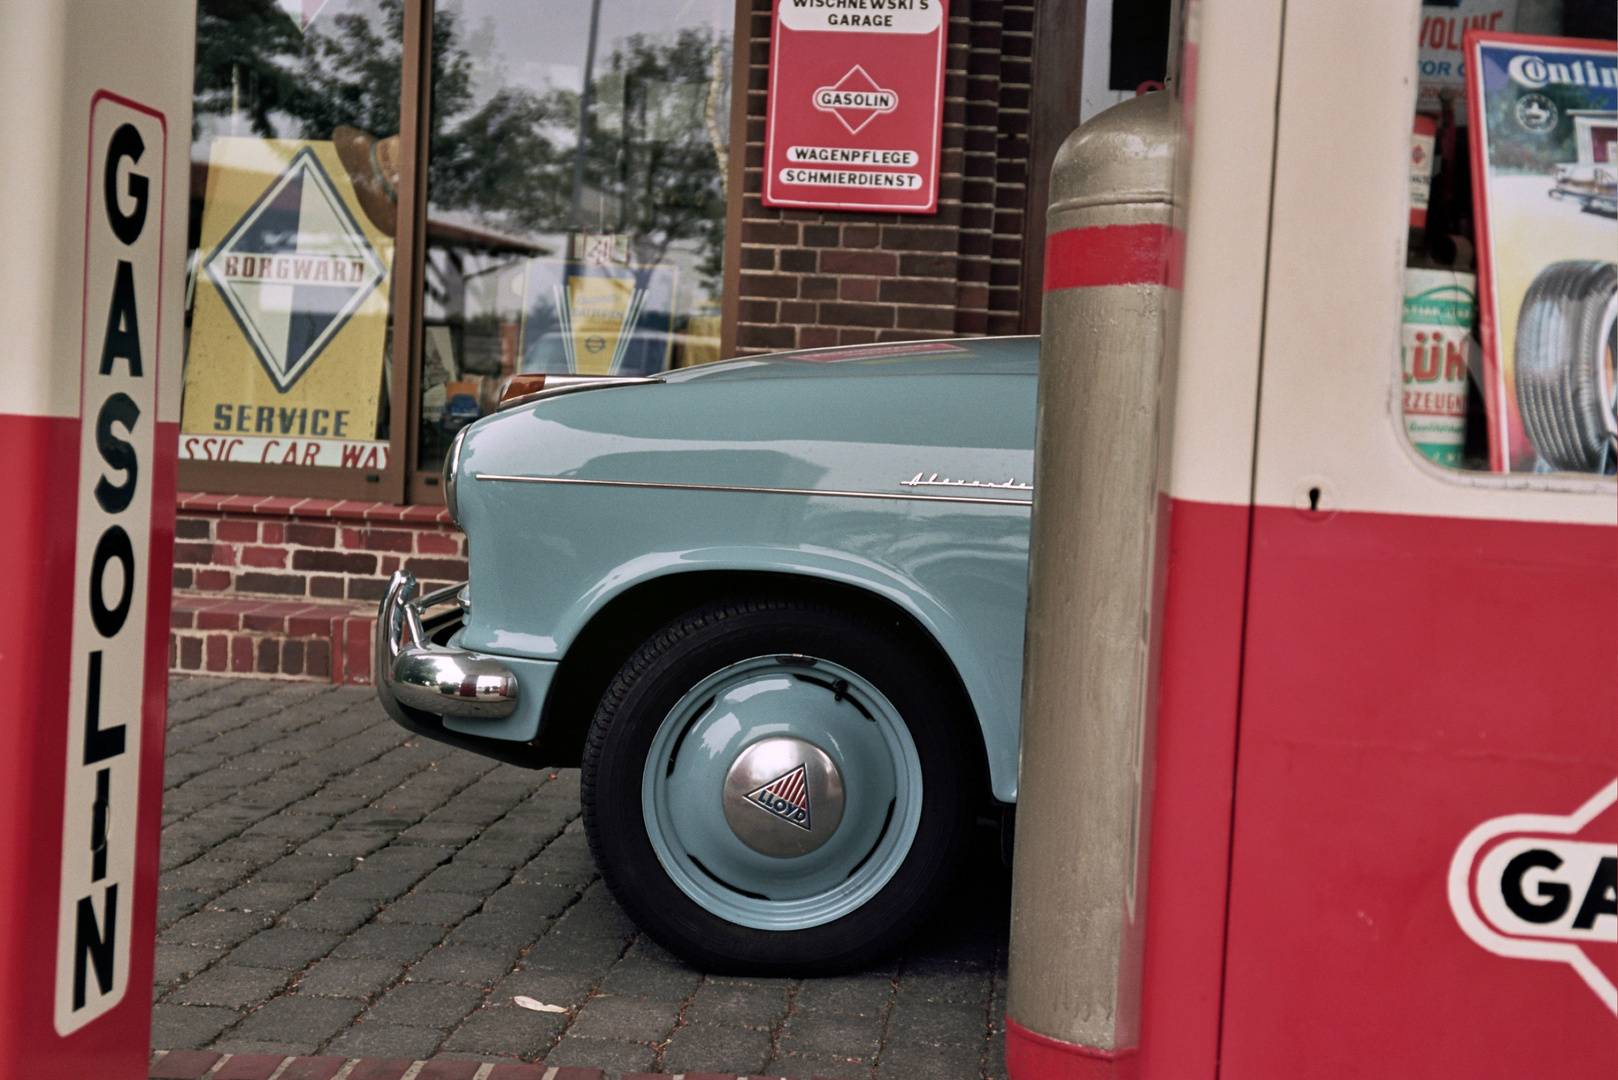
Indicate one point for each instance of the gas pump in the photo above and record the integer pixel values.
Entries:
(1318, 765)
(95, 107)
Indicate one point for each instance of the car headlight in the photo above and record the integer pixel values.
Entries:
(452, 471)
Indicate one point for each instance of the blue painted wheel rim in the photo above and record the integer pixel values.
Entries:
(825, 705)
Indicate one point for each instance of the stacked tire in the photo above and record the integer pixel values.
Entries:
(1566, 364)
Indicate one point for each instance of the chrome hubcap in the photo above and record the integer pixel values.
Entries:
(783, 797)
(782, 792)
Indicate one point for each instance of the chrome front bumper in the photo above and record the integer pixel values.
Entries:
(412, 671)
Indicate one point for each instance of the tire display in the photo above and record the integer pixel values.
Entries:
(771, 786)
(1567, 341)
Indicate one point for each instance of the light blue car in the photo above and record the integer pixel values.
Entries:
(774, 609)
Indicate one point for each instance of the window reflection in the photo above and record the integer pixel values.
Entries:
(576, 190)
(294, 166)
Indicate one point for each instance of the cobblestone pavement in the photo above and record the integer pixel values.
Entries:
(332, 885)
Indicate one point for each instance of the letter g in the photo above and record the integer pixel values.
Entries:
(1555, 896)
(126, 143)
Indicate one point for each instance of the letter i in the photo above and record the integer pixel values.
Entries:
(99, 811)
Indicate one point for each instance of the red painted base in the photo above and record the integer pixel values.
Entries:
(1032, 1056)
(39, 490)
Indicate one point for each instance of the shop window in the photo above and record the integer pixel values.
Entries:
(576, 172)
(1510, 344)
(293, 228)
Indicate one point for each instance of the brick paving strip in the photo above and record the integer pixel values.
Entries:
(207, 1065)
(337, 893)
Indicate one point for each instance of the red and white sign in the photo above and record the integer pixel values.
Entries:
(856, 105)
(126, 197)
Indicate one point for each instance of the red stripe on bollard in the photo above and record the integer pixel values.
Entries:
(1114, 255)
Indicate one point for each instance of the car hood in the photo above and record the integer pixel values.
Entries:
(859, 420)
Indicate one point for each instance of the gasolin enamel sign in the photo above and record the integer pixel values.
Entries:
(106, 654)
(856, 104)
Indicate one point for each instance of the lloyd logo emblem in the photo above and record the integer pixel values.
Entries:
(787, 797)
(1544, 887)
(294, 270)
(855, 99)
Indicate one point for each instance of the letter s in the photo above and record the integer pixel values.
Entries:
(118, 409)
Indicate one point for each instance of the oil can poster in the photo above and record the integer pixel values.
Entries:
(289, 327)
(1543, 175)
(606, 319)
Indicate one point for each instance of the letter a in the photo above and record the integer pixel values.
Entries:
(123, 325)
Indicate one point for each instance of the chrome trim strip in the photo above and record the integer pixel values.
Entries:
(452, 473)
(753, 490)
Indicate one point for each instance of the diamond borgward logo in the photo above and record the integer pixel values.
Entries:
(787, 797)
(294, 269)
(855, 99)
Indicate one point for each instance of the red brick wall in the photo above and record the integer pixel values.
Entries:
(288, 588)
(310, 552)
(811, 278)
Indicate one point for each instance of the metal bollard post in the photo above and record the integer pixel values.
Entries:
(1111, 277)
(95, 113)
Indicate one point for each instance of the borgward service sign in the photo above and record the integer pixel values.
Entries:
(294, 269)
(856, 104)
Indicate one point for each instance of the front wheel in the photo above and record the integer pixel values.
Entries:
(775, 787)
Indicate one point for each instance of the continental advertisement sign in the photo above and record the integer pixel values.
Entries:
(290, 313)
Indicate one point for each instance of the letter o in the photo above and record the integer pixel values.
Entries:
(114, 544)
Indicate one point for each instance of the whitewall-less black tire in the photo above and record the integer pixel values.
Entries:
(1567, 338)
(776, 787)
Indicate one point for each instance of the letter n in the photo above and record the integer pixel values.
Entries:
(92, 946)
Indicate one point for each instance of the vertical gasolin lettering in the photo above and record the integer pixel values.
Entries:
(117, 419)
